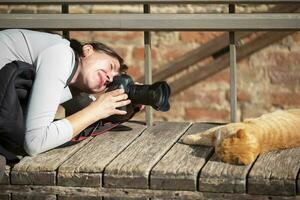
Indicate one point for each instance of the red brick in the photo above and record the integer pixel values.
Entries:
(121, 50)
(138, 53)
(205, 97)
(284, 75)
(222, 76)
(127, 37)
(296, 37)
(135, 72)
(200, 37)
(285, 99)
(82, 36)
(196, 113)
(278, 58)
(170, 52)
(242, 95)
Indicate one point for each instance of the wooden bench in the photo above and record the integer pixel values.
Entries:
(141, 162)
(138, 161)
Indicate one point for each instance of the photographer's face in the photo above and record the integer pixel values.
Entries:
(98, 69)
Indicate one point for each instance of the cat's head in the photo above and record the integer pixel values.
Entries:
(239, 148)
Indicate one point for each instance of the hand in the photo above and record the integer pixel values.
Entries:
(107, 104)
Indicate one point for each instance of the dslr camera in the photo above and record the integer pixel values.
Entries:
(155, 95)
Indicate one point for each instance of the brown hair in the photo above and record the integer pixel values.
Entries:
(98, 46)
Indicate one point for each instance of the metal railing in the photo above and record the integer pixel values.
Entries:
(148, 21)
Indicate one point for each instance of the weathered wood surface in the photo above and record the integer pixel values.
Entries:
(179, 168)
(5, 179)
(41, 169)
(85, 168)
(134, 193)
(132, 167)
(217, 176)
(151, 163)
(33, 197)
(78, 198)
(275, 173)
(5, 196)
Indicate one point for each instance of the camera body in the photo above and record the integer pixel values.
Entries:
(156, 95)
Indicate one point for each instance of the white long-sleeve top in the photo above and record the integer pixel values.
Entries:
(54, 60)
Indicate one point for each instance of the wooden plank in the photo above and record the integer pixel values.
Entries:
(132, 167)
(33, 197)
(123, 198)
(134, 193)
(41, 169)
(275, 173)
(298, 184)
(5, 197)
(5, 179)
(78, 198)
(146, 1)
(151, 22)
(85, 168)
(179, 168)
(217, 176)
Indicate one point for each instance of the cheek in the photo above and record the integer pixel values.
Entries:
(92, 80)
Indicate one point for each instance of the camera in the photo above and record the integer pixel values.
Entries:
(155, 95)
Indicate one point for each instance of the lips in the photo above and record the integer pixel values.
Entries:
(103, 78)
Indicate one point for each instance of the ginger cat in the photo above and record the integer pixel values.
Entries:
(241, 143)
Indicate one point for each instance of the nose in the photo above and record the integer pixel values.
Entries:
(109, 78)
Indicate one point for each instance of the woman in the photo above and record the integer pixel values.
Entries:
(61, 66)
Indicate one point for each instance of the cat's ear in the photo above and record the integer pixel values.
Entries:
(241, 134)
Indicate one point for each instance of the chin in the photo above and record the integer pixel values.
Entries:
(97, 90)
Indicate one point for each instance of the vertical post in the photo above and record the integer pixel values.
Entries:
(147, 66)
(65, 10)
(233, 88)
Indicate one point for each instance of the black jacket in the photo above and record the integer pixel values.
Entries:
(16, 79)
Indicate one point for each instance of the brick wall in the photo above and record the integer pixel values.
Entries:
(267, 80)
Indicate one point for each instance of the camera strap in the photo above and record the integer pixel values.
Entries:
(95, 129)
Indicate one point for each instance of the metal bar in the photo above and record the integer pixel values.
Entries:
(192, 57)
(151, 22)
(147, 66)
(149, 1)
(209, 49)
(232, 54)
(65, 10)
(222, 62)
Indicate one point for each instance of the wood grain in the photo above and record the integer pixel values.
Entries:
(179, 168)
(132, 167)
(275, 173)
(41, 169)
(217, 176)
(86, 166)
(5, 179)
(5, 197)
(78, 198)
(33, 197)
(133, 193)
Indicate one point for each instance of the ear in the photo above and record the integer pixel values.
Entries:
(87, 50)
(241, 134)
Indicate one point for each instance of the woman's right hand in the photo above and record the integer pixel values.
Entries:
(106, 104)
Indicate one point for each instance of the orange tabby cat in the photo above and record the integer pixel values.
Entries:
(240, 143)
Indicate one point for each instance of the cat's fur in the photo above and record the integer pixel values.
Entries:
(241, 143)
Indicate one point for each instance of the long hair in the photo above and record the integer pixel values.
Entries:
(98, 46)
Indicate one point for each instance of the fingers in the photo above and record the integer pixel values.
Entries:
(116, 92)
(122, 103)
(120, 97)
